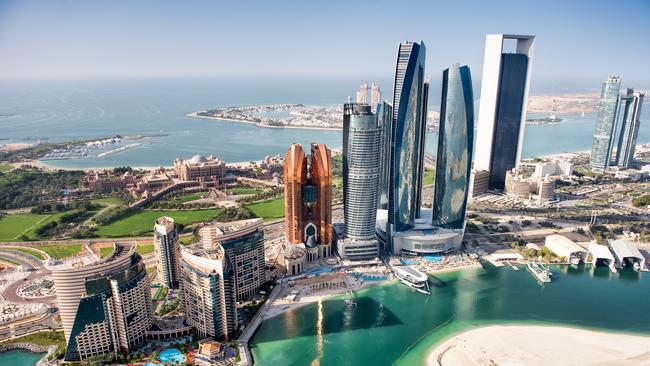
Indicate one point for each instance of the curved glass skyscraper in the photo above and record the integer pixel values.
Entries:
(455, 145)
(407, 137)
(601, 149)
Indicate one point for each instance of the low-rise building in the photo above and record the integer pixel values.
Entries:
(211, 351)
(102, 181)
(479, 182)
(524, 187)
(631, 174)
(553, 168)
(564, 247)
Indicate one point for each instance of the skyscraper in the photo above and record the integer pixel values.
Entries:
(168, 252)
(385, 121)
(105, 306)
(630, 120)
(362, 163)
(362, 93)
(209, 298)
(455, 145)
(243, 243)
(502, 113)
(407, 138)
(375, 96)
(601, 148)
(308, 199)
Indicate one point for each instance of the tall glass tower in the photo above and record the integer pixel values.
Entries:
(630, 120)
(601, 149)
(502, 114)
(407, 137)
(361, 162)
(455, 146)
(385, 120)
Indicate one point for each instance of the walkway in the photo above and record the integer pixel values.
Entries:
(244, 338)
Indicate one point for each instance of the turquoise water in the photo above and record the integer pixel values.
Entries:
(19, 357)
(393, 325)
(62, 111)
(172, 355)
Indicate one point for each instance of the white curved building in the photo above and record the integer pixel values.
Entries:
(105, 306)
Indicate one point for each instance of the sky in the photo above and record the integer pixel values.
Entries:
(580, 41)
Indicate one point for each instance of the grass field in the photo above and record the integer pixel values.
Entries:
(145, 249)
(186, 198)
(141, 222)
(5, 168)
(104, 251)
(12, 226)
(245, 191)
(268, 210)
(59, 251)
(429, 176)
(30, 252)
(108, 201)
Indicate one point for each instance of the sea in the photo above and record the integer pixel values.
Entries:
(393, 325)
(20, 357)
(56, 110)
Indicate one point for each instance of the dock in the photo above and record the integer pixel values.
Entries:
(602, 253)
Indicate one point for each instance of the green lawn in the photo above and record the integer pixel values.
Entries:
(186, 240)
(429, 176)
(5, 168)
(12, 226)
(145, 249)
(59, 251)
(103, 252)
(186, 197)
(30, 252)
(141, 222)
(245, 191)
(268, 210)
(108, 201)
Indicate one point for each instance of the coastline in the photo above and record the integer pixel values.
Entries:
(517, 344)
(194, 115)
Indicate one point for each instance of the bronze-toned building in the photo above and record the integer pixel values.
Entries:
(308, 199)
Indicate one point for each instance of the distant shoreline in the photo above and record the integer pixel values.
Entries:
(195, 115)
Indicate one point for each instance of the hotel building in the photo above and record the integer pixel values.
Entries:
(243, 244)
(200, 168)
(630, 120)
(209, 296)
(308, 200)
(504, 96)
(168, 253)
(105, 306)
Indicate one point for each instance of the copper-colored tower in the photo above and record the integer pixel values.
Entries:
(321, 178)
(295, 177)
(308, 198)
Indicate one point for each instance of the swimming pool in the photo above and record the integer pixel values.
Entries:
(320, 270)
(432, 258)
(172, 355)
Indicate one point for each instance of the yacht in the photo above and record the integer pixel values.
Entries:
(412, 278)
(540, 272)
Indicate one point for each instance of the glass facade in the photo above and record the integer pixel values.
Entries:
(361, 162)
(407, 138)
(510, 100)
(605, 121)
(630, 120)
(455, 145)
(385, 120)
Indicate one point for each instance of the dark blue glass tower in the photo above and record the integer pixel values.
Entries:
(455, 145)
(407, 137)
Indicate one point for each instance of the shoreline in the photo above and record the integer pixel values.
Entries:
(517, 343)
(194, 115)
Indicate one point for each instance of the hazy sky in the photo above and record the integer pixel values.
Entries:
(577, 41)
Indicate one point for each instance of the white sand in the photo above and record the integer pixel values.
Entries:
(509, 345)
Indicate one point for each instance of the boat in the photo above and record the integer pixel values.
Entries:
(546, 270)
(540, 272)
(574, 260)
(412, 278)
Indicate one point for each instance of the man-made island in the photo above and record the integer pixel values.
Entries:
(540, 345)
(295, 115)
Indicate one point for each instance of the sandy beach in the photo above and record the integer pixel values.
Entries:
(195, 115)
(540, 345)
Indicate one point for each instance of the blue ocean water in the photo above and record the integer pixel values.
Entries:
(68, 110)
